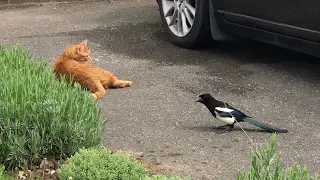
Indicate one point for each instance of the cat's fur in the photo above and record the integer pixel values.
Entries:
(75, 62)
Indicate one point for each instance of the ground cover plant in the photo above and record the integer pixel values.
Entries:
(39, 115)
(266, 165)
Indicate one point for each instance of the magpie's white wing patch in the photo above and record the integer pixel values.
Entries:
(224, 109)
(225, 117)
(227, 112)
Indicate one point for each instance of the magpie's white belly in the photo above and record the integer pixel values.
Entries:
(227, 120)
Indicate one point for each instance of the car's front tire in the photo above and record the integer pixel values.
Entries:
(186, 22)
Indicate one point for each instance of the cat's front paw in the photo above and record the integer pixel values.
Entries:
(95, 97)
(129, 83)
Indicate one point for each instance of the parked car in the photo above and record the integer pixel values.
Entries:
(290, 24)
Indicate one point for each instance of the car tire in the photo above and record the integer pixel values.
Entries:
(197, 33)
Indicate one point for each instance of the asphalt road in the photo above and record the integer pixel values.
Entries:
(158, 115)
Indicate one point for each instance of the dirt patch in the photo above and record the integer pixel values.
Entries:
(152, 165)
(47, 169)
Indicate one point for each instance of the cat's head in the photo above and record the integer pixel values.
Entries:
(78, 52)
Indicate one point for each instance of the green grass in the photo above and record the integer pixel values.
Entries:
(266, 165)
(39, 115)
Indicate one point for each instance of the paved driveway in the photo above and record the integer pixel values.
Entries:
(158, 114)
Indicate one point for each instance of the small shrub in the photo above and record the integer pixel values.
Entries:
(40, 115)
(100, 163)
(266, 165)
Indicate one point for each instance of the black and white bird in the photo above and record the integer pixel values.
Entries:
(229, 115)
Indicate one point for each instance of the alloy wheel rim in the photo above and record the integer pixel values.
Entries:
(179, 15)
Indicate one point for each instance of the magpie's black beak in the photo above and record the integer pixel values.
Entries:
(200, 100)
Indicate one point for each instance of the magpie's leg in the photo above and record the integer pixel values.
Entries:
(226, 128)
(221, 127)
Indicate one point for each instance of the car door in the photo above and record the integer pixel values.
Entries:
(294, 18)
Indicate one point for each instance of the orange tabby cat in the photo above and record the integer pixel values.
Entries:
(75, 61)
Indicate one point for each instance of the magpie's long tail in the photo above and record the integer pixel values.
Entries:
(264, 126)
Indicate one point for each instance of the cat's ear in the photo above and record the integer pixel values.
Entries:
(84, 43)
(82, 46)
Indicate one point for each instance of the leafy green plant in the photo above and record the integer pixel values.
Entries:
(100, 163)
(266, 165)
(39, 115)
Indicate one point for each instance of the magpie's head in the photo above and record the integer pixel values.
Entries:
(205, 98)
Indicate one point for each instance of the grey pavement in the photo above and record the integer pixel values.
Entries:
(158, 115)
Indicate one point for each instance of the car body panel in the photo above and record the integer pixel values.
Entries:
(271, 26)
(302, 14)
(273, 30)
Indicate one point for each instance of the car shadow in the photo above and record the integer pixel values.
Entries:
(148, 41)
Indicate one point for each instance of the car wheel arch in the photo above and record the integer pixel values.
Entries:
(216, 32)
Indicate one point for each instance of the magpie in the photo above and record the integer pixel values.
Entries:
(229, 115)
